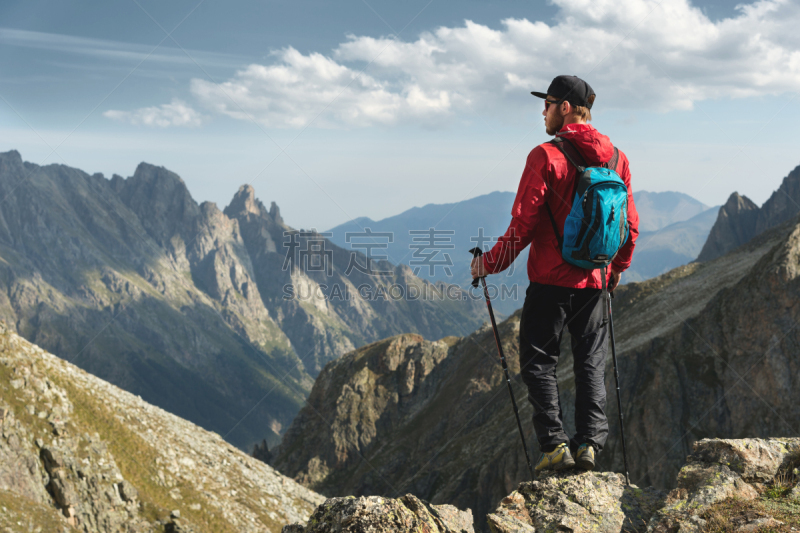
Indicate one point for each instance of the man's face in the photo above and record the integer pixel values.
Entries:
(553, 118)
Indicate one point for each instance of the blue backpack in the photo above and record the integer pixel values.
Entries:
(597, 226)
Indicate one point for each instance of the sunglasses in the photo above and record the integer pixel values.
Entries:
(548, 102)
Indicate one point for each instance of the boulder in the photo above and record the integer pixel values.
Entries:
(596, 501)
(755, 460)
(718, 470)
(385, 515)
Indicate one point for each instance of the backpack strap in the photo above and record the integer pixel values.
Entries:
(612, 163)
(570, 152)
(555, 227)
(574, 157)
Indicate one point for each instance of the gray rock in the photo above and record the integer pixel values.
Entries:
(596, 501)
(758, 524)
(127, 491)
(384, 515)
(756, 460)
(700, 485)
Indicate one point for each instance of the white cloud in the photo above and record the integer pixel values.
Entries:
(637, 54)
(176, 113)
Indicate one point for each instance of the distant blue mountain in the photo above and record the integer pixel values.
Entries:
(673, 228)
(660, 209)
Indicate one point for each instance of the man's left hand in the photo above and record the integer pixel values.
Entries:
(477, 269)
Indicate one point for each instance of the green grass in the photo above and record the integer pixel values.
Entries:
(19, 514)
(729, 515)
(136, 460)
(774, 500)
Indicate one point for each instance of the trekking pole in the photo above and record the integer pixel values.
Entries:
(477, 252)
(608, 297)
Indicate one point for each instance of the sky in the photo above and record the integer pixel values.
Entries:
(336, 110)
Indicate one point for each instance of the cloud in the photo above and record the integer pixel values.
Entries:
(176, 113)
(637, 54)
(114, 51)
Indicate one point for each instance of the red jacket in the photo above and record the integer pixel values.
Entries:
(549, 177)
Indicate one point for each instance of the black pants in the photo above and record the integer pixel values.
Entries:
(548, 309)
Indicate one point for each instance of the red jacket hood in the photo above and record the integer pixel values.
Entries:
(595, 147)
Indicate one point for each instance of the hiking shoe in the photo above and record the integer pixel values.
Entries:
(584, 459)
(558, 459)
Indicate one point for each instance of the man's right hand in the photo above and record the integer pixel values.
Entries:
(477, 269)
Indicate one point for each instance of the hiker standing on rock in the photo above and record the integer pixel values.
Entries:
(561, 294)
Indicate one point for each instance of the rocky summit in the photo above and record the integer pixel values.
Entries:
(719, 473)
(79, 454)
(591, 501)
(203, 312)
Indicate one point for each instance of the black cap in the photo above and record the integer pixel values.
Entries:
(570, 88)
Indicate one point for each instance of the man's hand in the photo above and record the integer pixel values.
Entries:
(477, 269)
(613, 279)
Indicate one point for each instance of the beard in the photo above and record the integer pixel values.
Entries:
(553, 123)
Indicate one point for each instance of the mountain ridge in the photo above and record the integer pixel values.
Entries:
(191, 302)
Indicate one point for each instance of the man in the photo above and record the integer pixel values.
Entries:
(561, 295)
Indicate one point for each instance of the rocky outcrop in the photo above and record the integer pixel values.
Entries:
(740, 220)
(182, 303)
(590, 501)
(79, 454)
(366, 395)
(720, 469)
(719, 472)
(384, 515)
(706, 349)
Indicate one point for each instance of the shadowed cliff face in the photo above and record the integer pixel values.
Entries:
(179, 302)
(705, 350)
(740, 220)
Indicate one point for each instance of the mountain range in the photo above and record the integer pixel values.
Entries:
(223, 318)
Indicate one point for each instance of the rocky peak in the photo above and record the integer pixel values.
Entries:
(11, 155)
(245, 202)
(160, 199)
(275, 213)
(735, 225)
(782, 205)
(737, 203)
(245, 205)
(740, 219)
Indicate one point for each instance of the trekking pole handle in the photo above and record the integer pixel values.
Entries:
(476, 252)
